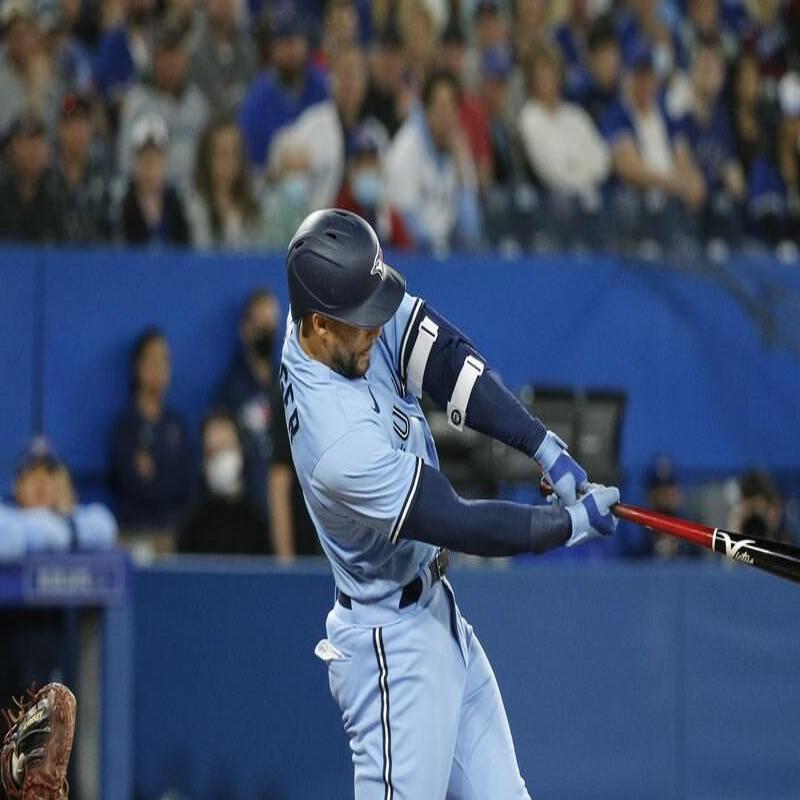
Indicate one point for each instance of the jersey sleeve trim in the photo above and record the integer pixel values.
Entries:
(407, 503)
(410, 325)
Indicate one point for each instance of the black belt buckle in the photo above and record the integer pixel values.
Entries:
(439, 564)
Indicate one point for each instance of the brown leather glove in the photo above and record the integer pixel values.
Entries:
(36, 748)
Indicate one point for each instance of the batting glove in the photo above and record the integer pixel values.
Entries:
(563, 473)
(591, 516)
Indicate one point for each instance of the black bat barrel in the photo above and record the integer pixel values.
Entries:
(775, 557)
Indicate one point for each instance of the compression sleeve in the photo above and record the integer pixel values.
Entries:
(438, 358)
(481, 527)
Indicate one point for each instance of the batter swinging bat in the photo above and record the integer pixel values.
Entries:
(775, 557)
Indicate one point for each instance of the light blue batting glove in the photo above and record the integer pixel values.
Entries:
(563, 473)
(591, 516)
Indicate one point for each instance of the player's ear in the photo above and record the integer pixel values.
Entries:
(320, 324)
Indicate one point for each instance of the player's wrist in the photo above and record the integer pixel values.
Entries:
(550, 528)
(579, 520)
(551, 447)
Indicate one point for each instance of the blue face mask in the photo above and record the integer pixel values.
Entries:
(295, 188)
(367, 187)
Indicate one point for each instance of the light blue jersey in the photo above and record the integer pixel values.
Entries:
(419, 701)
(358, 446)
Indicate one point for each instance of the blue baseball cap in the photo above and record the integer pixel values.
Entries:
(285, 21)
(660, 473)
(496, 62)
(38, 453)
(362, 142)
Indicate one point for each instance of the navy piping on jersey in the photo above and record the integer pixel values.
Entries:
(407, 503)
(395, 380)
(406, 336)
(383, 684)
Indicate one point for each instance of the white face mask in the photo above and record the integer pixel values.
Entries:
(224, 473)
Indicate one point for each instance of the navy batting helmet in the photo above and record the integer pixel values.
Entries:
(335, 267)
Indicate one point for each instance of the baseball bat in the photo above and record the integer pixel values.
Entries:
(776, 558)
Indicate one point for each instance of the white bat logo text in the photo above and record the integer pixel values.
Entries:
(734, 550)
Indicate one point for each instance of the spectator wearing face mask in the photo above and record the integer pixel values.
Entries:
(225, 521)
(247, 391)
(363, 194)
(286, 200)
(321, 134)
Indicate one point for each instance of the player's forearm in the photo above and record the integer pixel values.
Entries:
(441, 360)
(481, 527)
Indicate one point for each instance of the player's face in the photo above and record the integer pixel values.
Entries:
(35, 488)
(349, 348)
(154, 367)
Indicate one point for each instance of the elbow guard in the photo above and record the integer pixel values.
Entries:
(436, 357)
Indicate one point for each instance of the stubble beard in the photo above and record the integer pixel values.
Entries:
(346, 364)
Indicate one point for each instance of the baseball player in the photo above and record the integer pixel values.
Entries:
(418, 697)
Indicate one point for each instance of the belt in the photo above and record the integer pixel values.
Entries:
(412, 591)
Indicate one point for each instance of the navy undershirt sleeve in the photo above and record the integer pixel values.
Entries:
(481, 527)
(492, 409)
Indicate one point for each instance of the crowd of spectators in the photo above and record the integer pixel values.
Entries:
(240, 494)
(236, 494)
(448, 123)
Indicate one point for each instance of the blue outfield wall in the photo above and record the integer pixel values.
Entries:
(658, 682)
(707, 383)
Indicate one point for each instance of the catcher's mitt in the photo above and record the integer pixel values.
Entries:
(35, 754)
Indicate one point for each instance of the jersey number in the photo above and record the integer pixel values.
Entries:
(292, 419)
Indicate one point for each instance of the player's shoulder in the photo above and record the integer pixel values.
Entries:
(330, 407)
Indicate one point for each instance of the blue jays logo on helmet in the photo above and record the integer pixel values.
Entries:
(330, 263)
(378, 267)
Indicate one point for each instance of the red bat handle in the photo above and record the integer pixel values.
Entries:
(661, 523)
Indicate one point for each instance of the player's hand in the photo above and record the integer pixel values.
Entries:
(591, 516)
(563, 473)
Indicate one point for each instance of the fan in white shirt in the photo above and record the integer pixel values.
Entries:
(564, 148)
